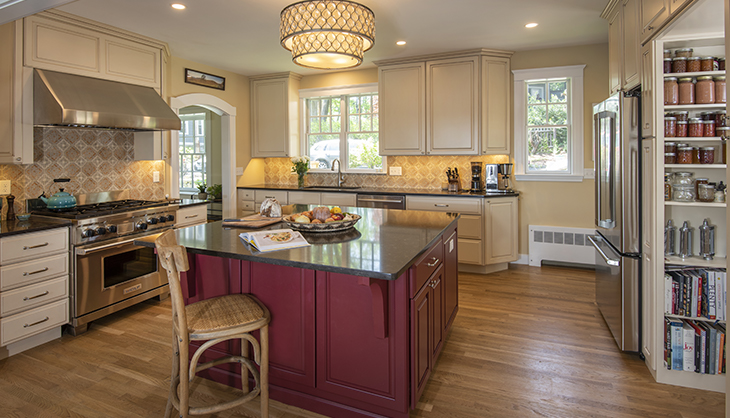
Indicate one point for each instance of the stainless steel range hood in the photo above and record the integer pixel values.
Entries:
(70, 100)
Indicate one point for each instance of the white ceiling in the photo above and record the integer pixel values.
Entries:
(242, 36)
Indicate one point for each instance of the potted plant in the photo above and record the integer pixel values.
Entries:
(301, 166)
(202, 187)
(216, 191)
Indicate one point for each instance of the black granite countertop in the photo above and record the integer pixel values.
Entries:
(191, 202)
(383, 191)
(382, 245)
(34, 224)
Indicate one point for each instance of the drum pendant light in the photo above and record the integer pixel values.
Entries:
(327, 34)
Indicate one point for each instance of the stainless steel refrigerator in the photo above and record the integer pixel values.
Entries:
(618, 224)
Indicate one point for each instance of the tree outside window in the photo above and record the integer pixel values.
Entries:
(548, 125)
(192, 151)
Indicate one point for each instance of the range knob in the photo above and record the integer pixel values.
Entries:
(152, 221)
(163, 219)
(88, 233)
(111, 228)
(170, 218)
(100, 230)
(140, 225)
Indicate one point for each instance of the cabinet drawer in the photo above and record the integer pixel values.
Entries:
(425, 266)
(304, 198)
(191, 215)
(279, 195)
(34, 321)
(245, 194)
(247, 206)
(34, 295)
(33, 245)
(470, 226)
(440, 204)
(339, 199)
(21, 274)
(470, 251)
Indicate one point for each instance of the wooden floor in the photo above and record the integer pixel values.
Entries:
(528, 342)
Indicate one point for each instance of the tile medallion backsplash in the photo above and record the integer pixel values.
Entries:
(419, 172)
(95, 160)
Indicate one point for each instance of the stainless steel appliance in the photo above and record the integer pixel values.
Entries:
(505, 171)
(386, 201)
(618, 224)
(476, 177)
(110, 273)
(491, 177)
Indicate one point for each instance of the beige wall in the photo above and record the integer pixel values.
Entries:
(237, 95)
(562, 203)
(342, 78)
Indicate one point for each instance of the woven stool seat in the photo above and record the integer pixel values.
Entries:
(223, 313)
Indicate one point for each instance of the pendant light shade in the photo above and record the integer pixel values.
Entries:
(327, 34)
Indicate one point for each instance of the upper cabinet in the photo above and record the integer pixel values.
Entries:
(274, 115)
(623, 44)
(448, 104)
(653, 15)
(16, 124)
(614, 51)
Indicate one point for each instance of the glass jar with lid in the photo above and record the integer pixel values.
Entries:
(683, 178)
(720, 91)
(708, 64)
(693, 64)
(670, 127)
(684, 155)
(667, 65)
(706, 193)
(671, 91)
(682, 193)
(681, 115)
(683, 52)
(708, 128)
(707, 155)
(686, 90)
(704, 90)
(695, 128)
(679, 65)
(681, 128)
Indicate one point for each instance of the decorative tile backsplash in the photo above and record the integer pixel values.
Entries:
(419, 172)
(95, 160)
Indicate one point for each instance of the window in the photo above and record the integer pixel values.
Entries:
(193, 151)
(342, 125)
(549, 124)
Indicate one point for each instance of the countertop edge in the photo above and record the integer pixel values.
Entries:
(30, 226)
(383, 191)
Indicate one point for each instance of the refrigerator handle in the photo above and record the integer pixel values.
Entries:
(602, 170)
(609, 261)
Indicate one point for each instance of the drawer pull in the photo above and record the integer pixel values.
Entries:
(36, 323)
(441, 205)
(28, 273)
(191, 216)
(35, 246)
(434, 262)
(35, 297)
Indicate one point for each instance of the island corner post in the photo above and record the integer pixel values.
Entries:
(341, 342)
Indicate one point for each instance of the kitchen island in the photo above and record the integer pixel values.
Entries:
(358, 318)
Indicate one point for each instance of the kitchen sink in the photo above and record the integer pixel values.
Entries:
(332, 187)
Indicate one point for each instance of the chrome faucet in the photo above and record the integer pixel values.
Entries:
(340, 176)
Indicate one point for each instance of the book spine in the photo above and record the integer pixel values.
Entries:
(677, 347)
(711, 302)
(688, 354)
(668, 294)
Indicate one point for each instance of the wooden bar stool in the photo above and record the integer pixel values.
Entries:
(215, 320)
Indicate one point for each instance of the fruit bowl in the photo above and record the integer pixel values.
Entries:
(325, 227)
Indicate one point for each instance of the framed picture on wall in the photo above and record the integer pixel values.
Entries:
(205, 79)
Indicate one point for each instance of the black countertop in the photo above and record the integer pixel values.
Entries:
(34, 224)
(191, 202)
(382, 245)
(383, 191)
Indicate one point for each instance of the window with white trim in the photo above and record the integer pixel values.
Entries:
(193, 151)
(548, 108)
(342, 124)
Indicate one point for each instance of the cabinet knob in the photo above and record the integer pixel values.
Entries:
(650, 27)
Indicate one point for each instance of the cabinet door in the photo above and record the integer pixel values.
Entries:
(501, 230)
(304, 198)
(653, 15)
(421, 340)
(675, 5)
(648, 58)
(630, 44)
(614, 52)
(648, 276)
(339, 199)
(269, 118)
(496, 105)
(402, 95)
(452, 106)
(437, 289)
(16, 98)
(450, 281)
(132, 62)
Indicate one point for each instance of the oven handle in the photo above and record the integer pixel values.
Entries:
(85, 251)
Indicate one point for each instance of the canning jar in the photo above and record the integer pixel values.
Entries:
(704, 90)
(671, 91)
(679, 65)
(707, 155)
(719, 117)
(693, 64)
(670, 127)
(695, 128)
(667, 53)
(681, 128)
(706, 193)
(700, 180)
(723, 132)
(721, 64)
(670, 147)
(708, 64)
(683, 52)
(667, 65)
(708, 128)
(684, 155)
(720, 92)
(686, 90)
(670, 158)
(683, 178)
(683, 193)
(680, 115)
(667, 187)
(706, 115)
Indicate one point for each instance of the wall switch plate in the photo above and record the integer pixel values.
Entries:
(155, 176)
(239, 171)
(589, 173)
(4, 187)
(395, 171)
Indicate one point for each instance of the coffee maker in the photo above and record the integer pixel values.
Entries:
(476, 177)
(505, 171)
(491, 179)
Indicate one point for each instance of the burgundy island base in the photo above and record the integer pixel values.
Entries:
(358, 319)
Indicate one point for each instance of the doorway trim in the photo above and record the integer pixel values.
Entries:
(228, 146)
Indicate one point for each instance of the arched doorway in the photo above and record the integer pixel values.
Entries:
(228, 146)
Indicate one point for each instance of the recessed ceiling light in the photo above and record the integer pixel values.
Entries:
(178, 6)
(531, 25)
(400, 43)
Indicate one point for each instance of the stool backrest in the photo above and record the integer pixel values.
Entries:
(174, 259)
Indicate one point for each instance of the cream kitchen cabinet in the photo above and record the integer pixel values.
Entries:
(623, 44)
(339, 199)
(648, 90)
(653, 15)
(191, 215)
(66, 43)
(614, 51)
(305, 198)
(34, 289)
(275, 115)
(464, 108)
(500, 230)
(16, 98)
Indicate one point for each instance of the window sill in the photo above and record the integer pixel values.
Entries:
(550, 177)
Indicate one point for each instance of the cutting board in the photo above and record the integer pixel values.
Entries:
(252, 221)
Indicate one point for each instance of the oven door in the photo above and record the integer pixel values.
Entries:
(110, 273)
